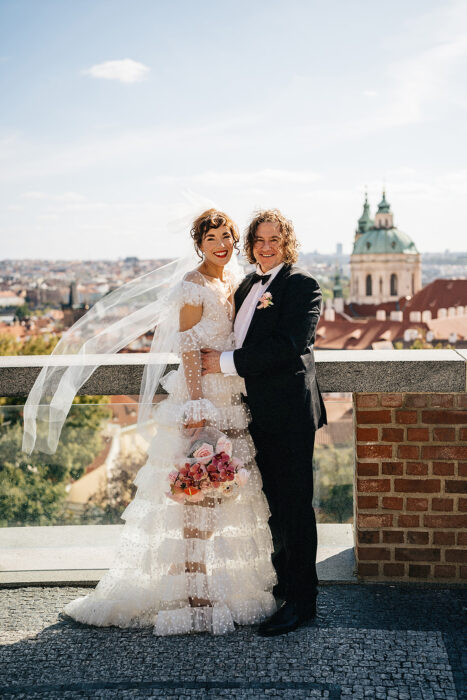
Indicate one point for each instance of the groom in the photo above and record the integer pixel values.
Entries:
(278, 308)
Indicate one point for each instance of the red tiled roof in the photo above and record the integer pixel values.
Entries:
(360, 335)
(439, 294)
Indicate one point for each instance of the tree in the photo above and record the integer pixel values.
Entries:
(23, 312)
(339, 502)
(107, 506)
(334, 473)
(33, 488)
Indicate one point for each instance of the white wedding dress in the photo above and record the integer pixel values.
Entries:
(193, 567)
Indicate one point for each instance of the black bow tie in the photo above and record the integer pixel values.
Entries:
(260, 278)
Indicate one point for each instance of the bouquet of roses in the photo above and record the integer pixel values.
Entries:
(208, 470)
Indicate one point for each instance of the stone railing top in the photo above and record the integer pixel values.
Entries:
(337, 371)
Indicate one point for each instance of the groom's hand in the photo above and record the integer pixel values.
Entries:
(210, 361)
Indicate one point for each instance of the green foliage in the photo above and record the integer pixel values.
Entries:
(107, 506)
(334, 470)
(23, 312)
(36, 345)
(339, 502)
(33, 488)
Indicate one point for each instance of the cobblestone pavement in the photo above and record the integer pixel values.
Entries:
(372, 641)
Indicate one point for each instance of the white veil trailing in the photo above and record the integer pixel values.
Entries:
(114, 321)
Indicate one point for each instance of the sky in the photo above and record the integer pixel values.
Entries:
(110, 111)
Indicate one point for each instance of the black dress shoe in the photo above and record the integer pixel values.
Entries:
(291, 615)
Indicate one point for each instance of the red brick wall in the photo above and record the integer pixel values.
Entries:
(411, 486)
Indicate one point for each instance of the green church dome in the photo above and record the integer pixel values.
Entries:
(384, 240)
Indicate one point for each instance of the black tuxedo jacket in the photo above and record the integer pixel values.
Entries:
(276, 359)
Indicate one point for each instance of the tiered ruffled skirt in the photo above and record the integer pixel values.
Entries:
(170, 555)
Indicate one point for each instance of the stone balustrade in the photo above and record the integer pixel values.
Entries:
(410, 448)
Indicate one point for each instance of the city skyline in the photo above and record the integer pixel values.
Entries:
(110, 112)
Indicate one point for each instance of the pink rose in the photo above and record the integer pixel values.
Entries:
(224, 445)
(242, 476)
(204, 453)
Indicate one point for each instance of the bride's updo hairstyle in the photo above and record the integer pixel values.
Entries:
(212, 218)
(289, 239)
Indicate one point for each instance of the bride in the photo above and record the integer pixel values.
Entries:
(193, 566)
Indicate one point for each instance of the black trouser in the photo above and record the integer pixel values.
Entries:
(286, 465)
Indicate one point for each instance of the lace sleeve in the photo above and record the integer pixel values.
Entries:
(191, 311)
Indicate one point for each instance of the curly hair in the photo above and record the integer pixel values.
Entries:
(273, 216)
(212, 218)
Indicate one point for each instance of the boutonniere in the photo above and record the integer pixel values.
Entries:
(265, 301)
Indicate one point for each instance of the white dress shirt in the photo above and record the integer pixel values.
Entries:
(244, 317)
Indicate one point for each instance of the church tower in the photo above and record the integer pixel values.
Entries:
(385, 264)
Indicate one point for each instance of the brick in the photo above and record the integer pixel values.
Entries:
(367, 536)
(416, 468)
(364, 502)
(393, 536)
(462, 469)
(461, 538)
(444, 434)
(408, 451)
(392, 434)
(445, 504)
(391, 400)
(392, 502)
(417, 537)
(443, 521)
(455, 486)
(461, 400)
(367, 400)
(463, 571)
(444, 571)
(417, 504)
(367, 434)
(444, 537)
(458, 556)
(443, 468)
(462, 434)
(442, 400)
(373, 485)
(408, 521)
(394, 569)
(416, 400)
(366, 569)
(444, 452)
(367, 469)
(366, 520)
(444, 417)
(414, 554)
(406, 417)
(374, 451)
(373, 553)
(418, 434)
(419, 571)
(393, 468)
(417, 485)
(374, 417)
(462, 507)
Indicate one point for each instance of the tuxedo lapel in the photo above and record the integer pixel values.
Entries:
(273, 289)
(243, 291)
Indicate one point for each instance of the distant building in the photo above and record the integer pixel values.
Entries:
(339, 249)
(385, 264)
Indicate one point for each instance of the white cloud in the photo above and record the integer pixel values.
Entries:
(125, 71)
(370, 93)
